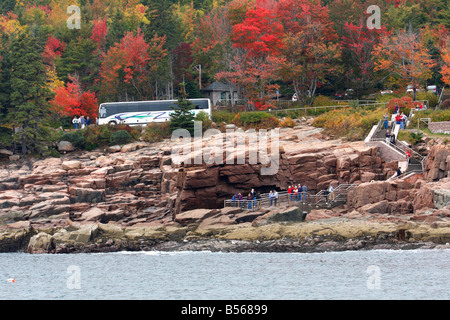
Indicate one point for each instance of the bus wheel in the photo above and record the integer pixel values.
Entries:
(112, 123)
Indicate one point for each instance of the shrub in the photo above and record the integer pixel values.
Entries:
(351, 124)
(287, 122)
(432, 98)
(246, 118)
(120, 137)
(205, 120)
(97, 136)
(410, 137)
(222, 116)
(445, 104)
(257, 119)
(77, 139)
(440, 115)
(320, 101)
(155, 132)
(405, 104)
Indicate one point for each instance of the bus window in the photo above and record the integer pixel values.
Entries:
(102, 112)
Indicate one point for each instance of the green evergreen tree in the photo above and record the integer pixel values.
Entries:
(182, 117)
(5, 87)
(29, 94)
(7, 5)
(79, 58)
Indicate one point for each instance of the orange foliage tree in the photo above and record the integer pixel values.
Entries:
(128, 66)
(405, 56)
(310, 45)
(70, 101)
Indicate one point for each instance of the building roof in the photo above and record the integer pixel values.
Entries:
(219, 86)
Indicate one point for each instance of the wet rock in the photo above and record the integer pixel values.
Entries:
(41, 243)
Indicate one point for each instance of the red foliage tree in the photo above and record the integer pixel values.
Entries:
(129, 65)
(53, 48)
(258, 39)
(310, 45)
(358, 42)
(99, 32)
(260, 33)
(71, 101)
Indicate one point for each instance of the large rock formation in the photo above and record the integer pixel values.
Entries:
(141, 183)
(140, 186)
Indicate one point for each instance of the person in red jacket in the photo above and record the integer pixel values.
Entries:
(408, 156)
(290, 193)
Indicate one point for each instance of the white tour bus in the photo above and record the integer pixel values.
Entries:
(143, 112)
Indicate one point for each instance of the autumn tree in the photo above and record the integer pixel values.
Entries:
(404, 55)
(358, 43)
(71, 100)
(258, 40)
(129, 65)
(445, 52)
(446, 68)
(310, 45)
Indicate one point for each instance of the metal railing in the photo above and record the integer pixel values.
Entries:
(405, 174)
(400, 147)
(440, 98)
(320, 198)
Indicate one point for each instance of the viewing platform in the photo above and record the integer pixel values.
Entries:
(305, 201)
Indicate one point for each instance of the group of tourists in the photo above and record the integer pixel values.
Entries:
(400, 118)
(297, 192)
(81, 123)
(253, 199)
(390, 137)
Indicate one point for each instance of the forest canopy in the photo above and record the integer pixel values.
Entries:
(60, 62)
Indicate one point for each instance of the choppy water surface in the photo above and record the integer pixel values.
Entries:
(378, 274)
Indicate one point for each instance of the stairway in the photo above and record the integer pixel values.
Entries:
(379, 135)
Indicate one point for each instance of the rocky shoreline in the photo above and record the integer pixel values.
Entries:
(331, 234)
(134, 198)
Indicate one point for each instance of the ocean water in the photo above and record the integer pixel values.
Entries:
(349, 275)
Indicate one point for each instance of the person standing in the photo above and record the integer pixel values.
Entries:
(388, 136)
(408, 156)
(271, 197)
(88, 121)
(386, 121)
(290, 193)
(392, 139)
(83, 122)
(249, 201)
(275, 197)
(234, 198)
(75, 122)
(398, 119)
(402, 121)
(331, 194)
(304, 189)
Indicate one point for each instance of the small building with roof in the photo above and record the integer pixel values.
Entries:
(220, 93)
